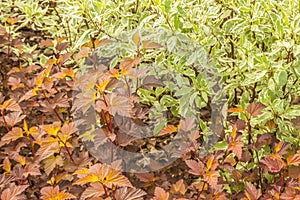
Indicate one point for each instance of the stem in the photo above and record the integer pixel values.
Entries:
(136, 6)
(61, 22)
(101, 30)
(9, 45)
(105, 190)
(31, 144)
(282, 181)
(253, 92)
(127, 84)
(67, 149)
(108, 124)
(55, 112)
(4, 121)
(260, 181)
(199, 193)
(249, 131)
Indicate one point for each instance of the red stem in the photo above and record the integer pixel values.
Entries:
(9, 44)
(4, 121)
(127, 84)
(31, 145)
(105, 190)
(55, 112)
(67, 149)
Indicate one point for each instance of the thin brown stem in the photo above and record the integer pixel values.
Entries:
(105, 190)
(4, 121)
(67, 149)
(54, 110)
(31, 145)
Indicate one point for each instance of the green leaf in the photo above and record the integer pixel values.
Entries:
(177, 23)
(222, 145)
(158, 127)
(167, 5)
(83, 39)
(168, 101)
(171, 43)
(184, 91)
(282, 78)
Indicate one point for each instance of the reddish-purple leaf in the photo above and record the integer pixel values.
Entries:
(46, 43)
(236, 148)
(147, 44)
(273, 165)
(50, 193)
(13, 192)
(136, 38)
(13, 135)
(63, 58)
(255, 109)
(293, 160)
(10, 105)
(129, 194)
(179, 187)
(62, 46)
(187, 124)
(196, 168)
(94, 190)
(13, 118)
(83, 53)
(251, 192)
(169, 129)
(211, 177)
(160, 194)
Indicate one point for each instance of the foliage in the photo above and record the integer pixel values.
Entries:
(166, 59)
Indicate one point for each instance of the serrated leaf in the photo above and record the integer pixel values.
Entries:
(129, 194)
(273, 165)
(32, 169)
(168, 130)
(196, 168)
(13, 135)
(119, 104)
(6, 165)
(187, 124)
(128, 63)
(53, 193)
(51, 162)
(95, 190)
(63, 58)
(255, 109)
(160, 194)
(52, 129)
(293, 160)
(211, 177)
(13, 118)
(236, 148)
(11, 105)
(104, 174)
(62, 46)
(179, 187)
(12, 20)
(251, 192)
(13, 192)
(89, 178)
